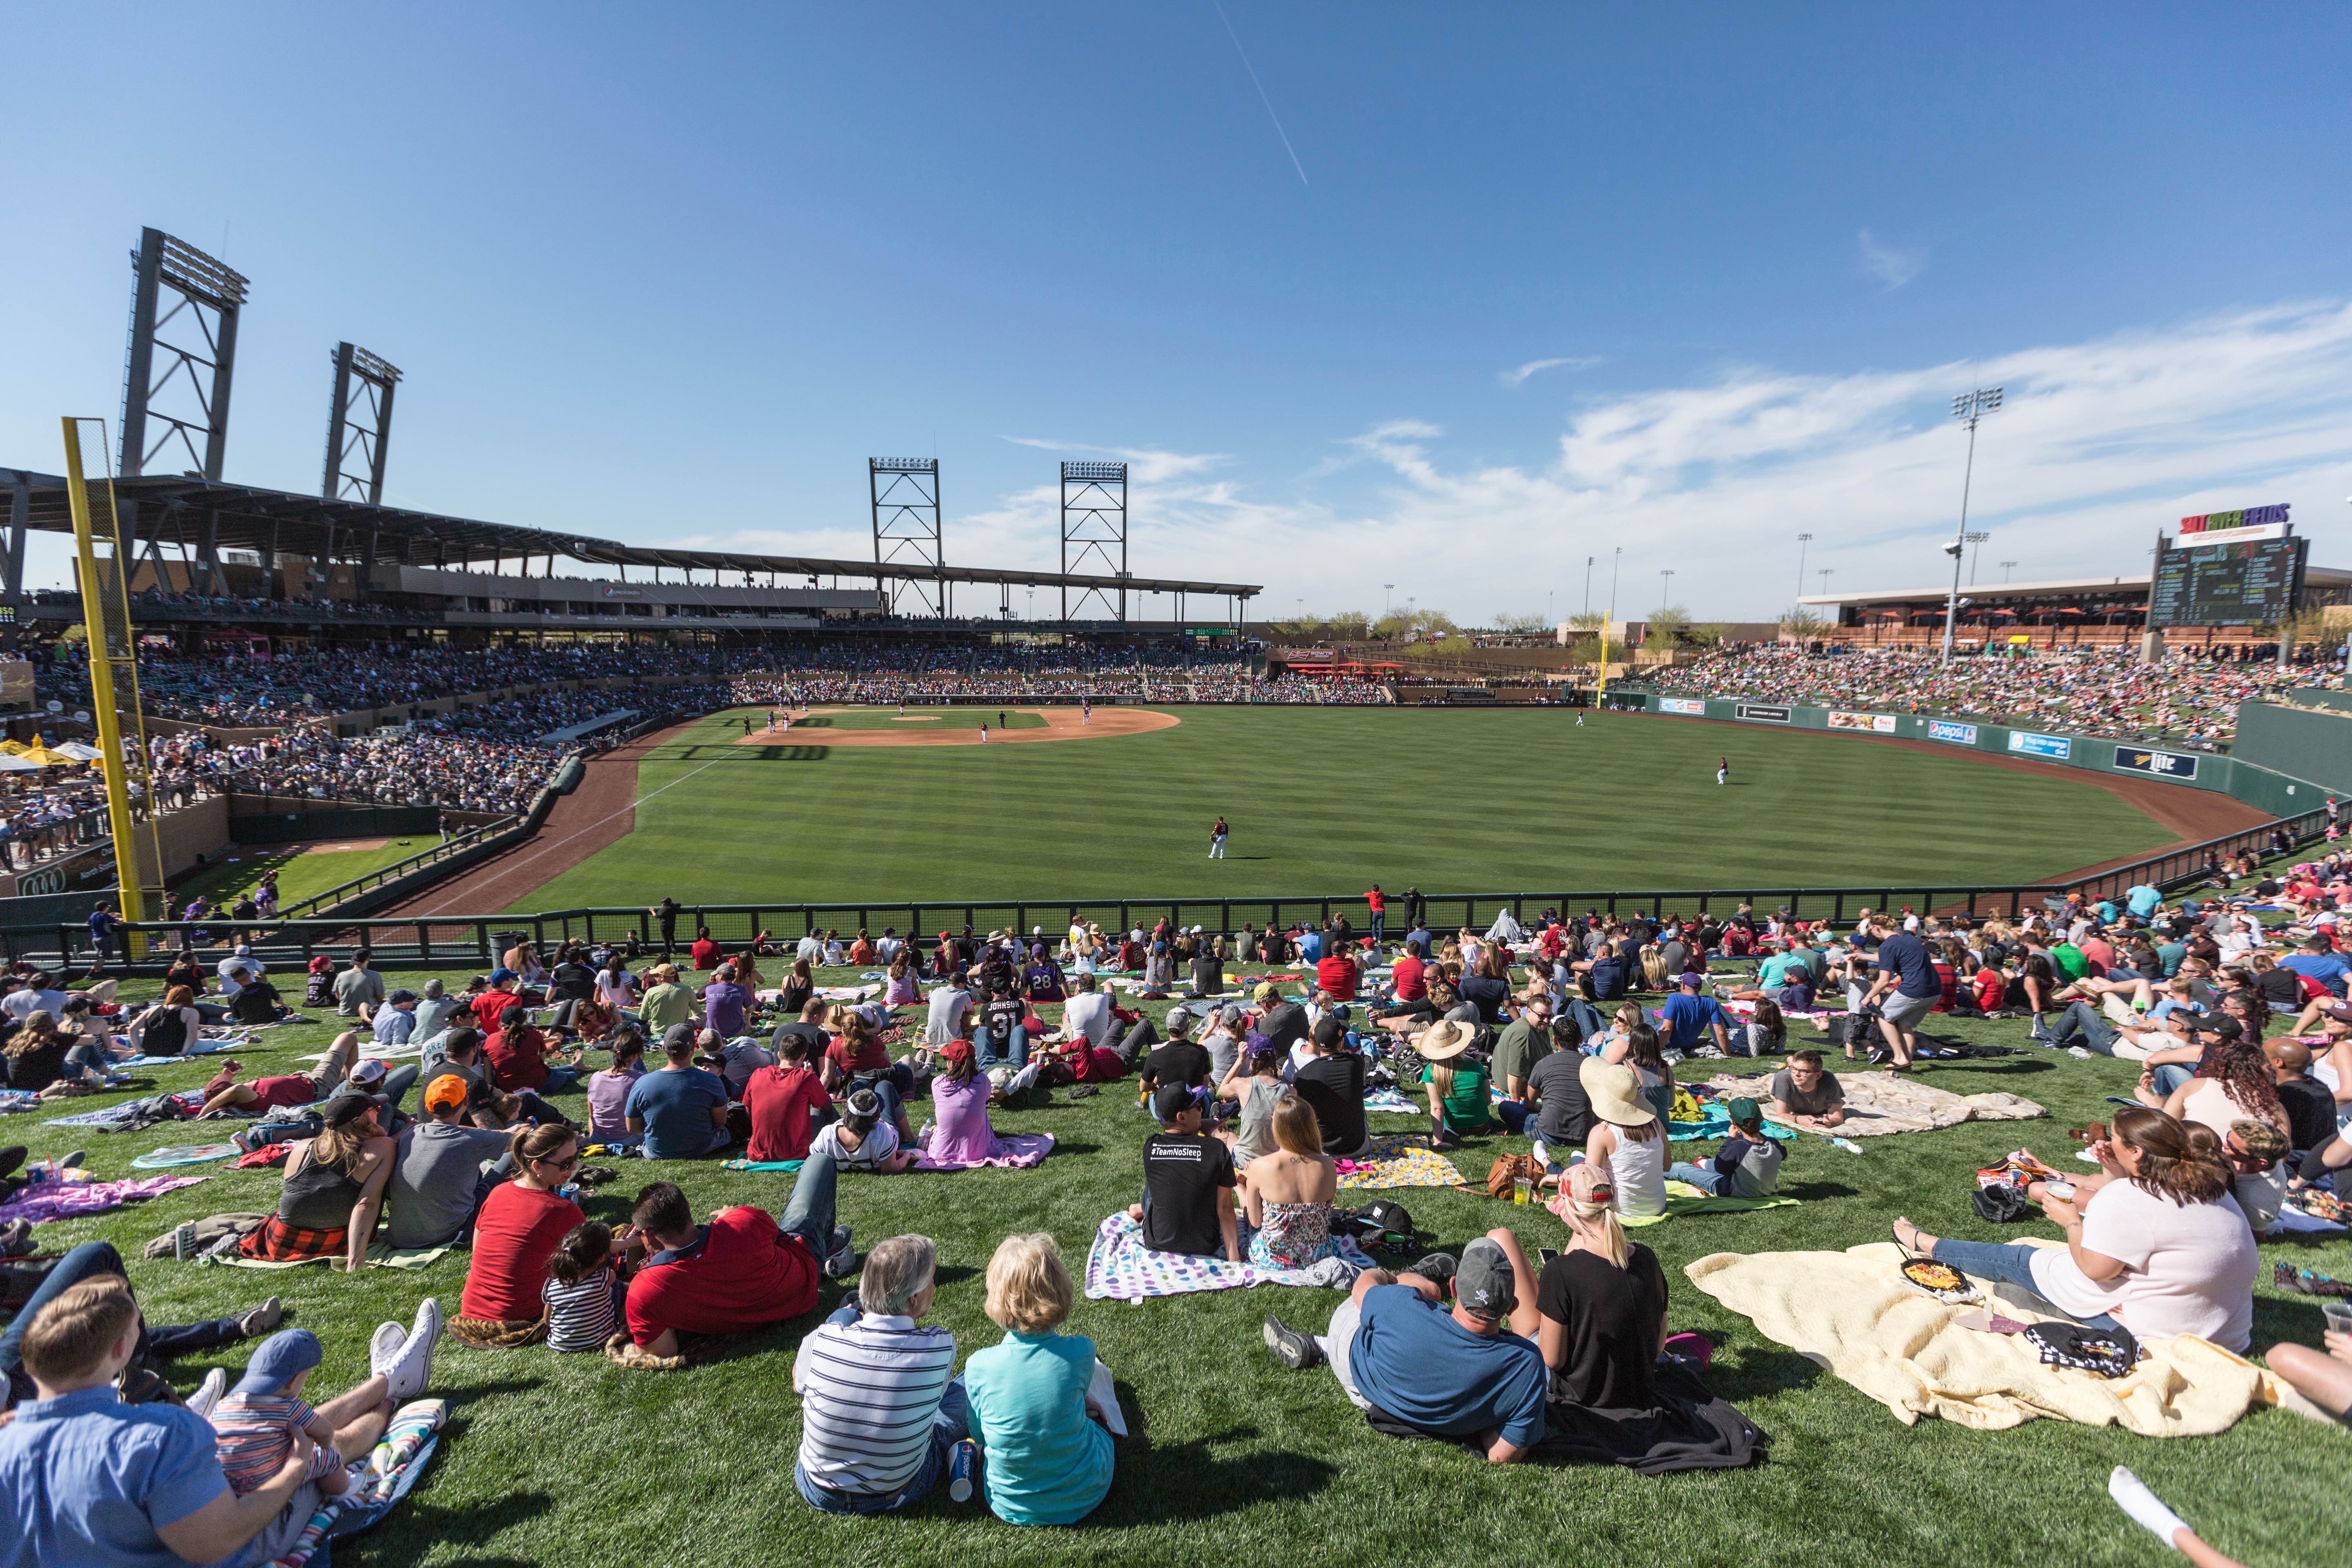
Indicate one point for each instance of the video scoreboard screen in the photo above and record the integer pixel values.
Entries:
(2227, 585)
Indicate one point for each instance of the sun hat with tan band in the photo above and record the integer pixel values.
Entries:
(1443, 1042)
(1615, 1090)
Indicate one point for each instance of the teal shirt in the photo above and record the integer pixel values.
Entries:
(1044, 1462)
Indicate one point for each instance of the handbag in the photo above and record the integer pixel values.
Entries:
(1507, 1169)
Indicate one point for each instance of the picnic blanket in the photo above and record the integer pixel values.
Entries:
(1715, 1123)
(183, 1154)
(1121, 1269)
(1878, 1104)
(201, 1048)
(1683, 1198)
(1852, 1312)
(382, 1255)
(1399, 1161)
(127, 1112)
(761, 1165)
(70, 1200)
(17, 1100)
(1014, 1151)
(1391, 1102)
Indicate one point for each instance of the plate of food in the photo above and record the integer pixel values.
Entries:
(1939, 1282)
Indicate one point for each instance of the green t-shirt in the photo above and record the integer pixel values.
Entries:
(2070, 960)
(1466, 1103)
(1521, 1046)
(664, 1006)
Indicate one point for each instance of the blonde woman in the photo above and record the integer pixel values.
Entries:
(1045, 1459)
(1626, 1141)
(1603, 1301)
(1654, 968)
(1289, 1193)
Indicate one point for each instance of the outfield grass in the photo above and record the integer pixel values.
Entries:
(1330, 801)
(568, 1462)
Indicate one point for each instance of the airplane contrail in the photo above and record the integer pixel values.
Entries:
(1262, 98)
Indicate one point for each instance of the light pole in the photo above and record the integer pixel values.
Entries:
(1971, 406)
(1825, 572)
(1587, 587)
(1665, 586)
(1386, 589)
(1803, 540)
(2005, 567)
(1976, 556)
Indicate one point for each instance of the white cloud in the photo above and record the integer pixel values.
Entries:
(2097, 445)
(1572, 362)
(1892, 266)
(1145, 464)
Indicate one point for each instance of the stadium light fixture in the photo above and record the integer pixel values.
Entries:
(1803, 540)
(1976, 556)
(1970, 407)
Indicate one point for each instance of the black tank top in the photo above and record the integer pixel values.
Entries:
(167, 1034)
(319, 1197)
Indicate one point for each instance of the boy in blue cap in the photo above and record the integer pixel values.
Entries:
(254, 1425)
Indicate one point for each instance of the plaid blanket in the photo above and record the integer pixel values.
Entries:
(1400, 1160)
(1121, 1267)
(70, 1200)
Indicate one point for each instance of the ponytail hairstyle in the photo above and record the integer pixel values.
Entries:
(2180, 1161)
(2245, 1075)
(628, 1045)
(537, 1143)
(581, 1253)
(1614, 1246)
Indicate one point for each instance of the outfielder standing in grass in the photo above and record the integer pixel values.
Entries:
(1723, 770)
(1217, 840)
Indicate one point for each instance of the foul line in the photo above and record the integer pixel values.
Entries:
(598, 822)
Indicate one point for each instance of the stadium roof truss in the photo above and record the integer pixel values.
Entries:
(198, 518)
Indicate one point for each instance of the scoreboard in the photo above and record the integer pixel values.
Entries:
(2227, 585)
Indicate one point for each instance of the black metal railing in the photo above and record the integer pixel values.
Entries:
(479, 941)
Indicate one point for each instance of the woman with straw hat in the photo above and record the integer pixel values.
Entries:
(1626, 1138)
(1457, 1083)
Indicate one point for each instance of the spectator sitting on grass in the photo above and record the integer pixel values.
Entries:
(666, 1004)
(608, 1088)
(334, 1190)
(1289, 1193)
(1456, 1083)
(395, 1021)
(359, 990)
(867, 1138)
(1747, 1165)
(1187, 1183)
(439, 1183)
(880, 1405)
(679, 1110)
(225, 1093)
(1332, 1081)
(257, 1423)
(520, 1224)
(518, 1057)
(1414, 1364)
(1045, 1455)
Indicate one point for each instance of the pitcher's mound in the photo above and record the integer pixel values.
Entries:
(1061, 724)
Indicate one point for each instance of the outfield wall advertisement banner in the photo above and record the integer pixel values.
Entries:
(1948, 730)
(1763, 713)
(2163, 764)
(2057, 748)
(1877, 723)
(1689, 706)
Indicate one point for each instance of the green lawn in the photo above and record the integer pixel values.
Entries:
(302, 871)
(1330, 801)
(568, 1462)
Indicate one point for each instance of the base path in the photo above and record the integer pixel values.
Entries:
(1061, 724)
(600, 813)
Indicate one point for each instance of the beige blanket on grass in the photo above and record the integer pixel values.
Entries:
(1878, 1103)
(1852, 1312)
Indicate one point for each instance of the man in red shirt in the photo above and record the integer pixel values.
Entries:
(491, 1004)
(742, 1271)
(782, 1102)
(706, 952)
(1379, 907)
(1337, 975)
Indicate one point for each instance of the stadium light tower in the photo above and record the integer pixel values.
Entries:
(1976, 555)
(1803, 540)
(1969, 406)
(2005, 567)
(1825, 580)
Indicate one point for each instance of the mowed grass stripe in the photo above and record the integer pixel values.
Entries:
(1331, 800)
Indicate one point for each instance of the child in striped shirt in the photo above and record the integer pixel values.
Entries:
(254, 1425)
(584, 1290)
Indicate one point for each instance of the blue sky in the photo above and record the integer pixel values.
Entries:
(1542, 282)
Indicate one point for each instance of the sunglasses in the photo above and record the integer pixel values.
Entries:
(564, 1164)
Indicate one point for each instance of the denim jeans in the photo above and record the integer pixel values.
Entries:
(2011, 1263)
(398, 1083)
(95, 1260)
(1379, 924)
(983, 1047)
(559, 1078)
(1514, 1115)
(2082, 1018)
(810, 1214)
(2170, 1076)
(951, 1424)
(1704, 1177)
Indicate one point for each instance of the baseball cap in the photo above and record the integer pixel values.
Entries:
(1692, 978)
(402, 994)
(1170, 1100)
(1744, 1113)
(1179, 1017)
(1484, 1282)
(343, 1109)
(367, 1070)
(1590, 1183)
(280, 1358)
(2339, 1011)
(446, 1092)
(678, 1035)
(501, 972)
(1264, 991)
(2224, 1027)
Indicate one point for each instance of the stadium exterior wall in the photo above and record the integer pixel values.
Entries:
(2308, 742)
(2264, 787)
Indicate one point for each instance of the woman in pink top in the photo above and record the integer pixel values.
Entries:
(961, 1136)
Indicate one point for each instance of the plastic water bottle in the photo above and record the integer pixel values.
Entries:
(1848, 1144)
(963, 1470)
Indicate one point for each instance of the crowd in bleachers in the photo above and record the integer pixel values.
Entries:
(2188, 699)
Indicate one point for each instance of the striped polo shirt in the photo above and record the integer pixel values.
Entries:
(868, 1391)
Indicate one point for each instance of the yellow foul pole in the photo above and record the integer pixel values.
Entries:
(79, 493)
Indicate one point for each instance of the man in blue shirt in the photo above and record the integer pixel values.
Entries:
(85, 1478)
(2142, 900)
(681, 1109)
(1470, 1372)
(2319, 962)
(1690, 1015)
(1906, 989)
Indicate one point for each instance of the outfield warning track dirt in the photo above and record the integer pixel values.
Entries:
(1061, 724)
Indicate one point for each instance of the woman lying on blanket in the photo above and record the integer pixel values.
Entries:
(1287, 1194)
(332, 1192)
(2153, 1241)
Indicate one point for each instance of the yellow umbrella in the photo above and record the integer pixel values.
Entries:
(13, 748)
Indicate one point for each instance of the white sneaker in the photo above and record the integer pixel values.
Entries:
(385, 1349)
(204, 1398)
(407, 1374)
